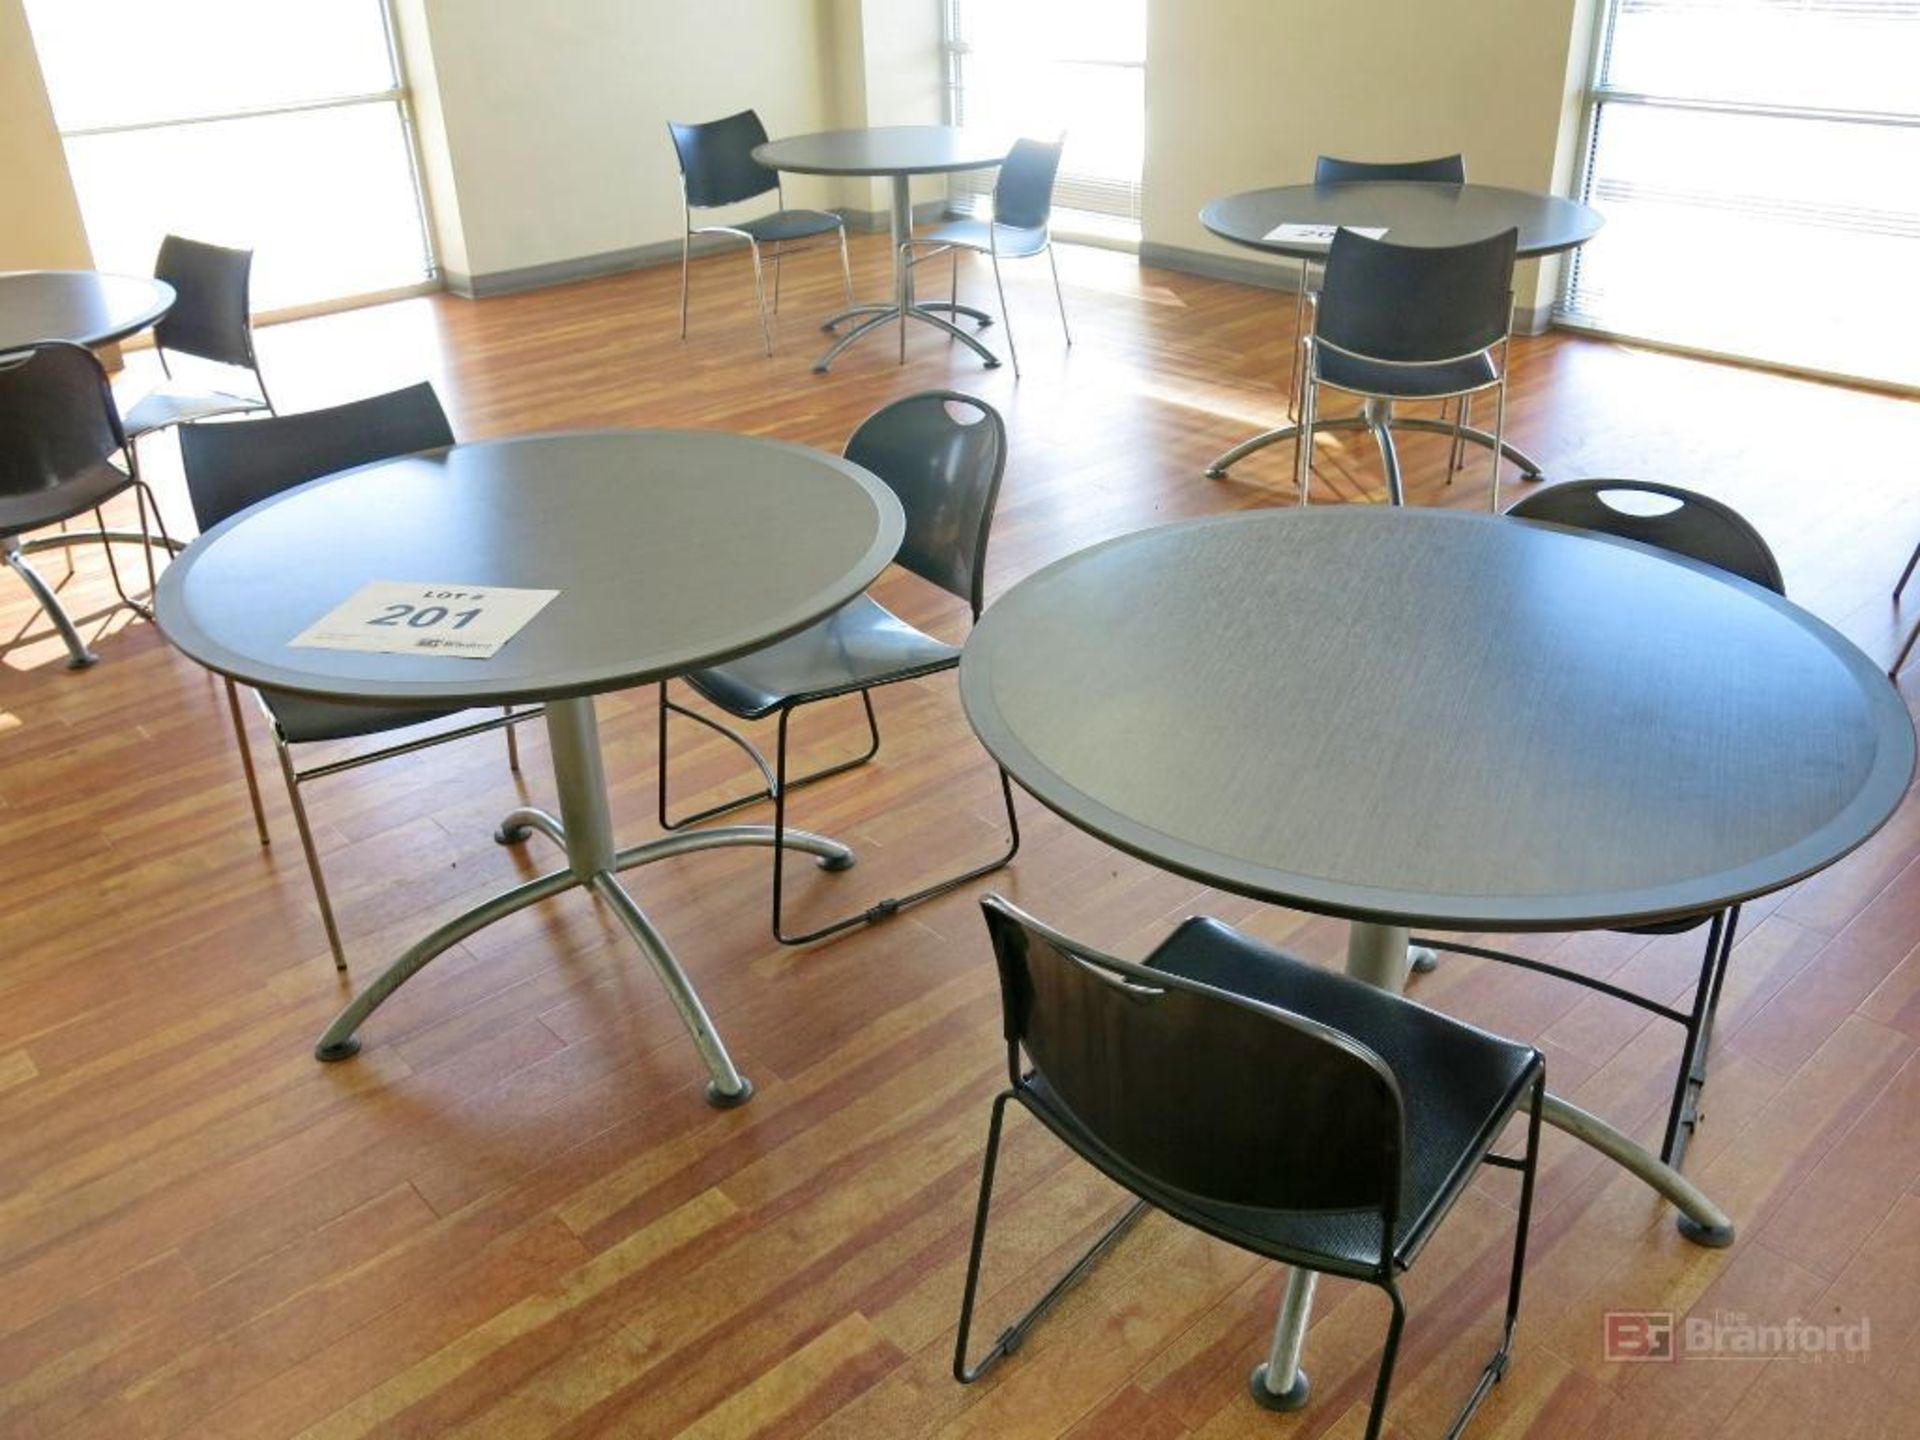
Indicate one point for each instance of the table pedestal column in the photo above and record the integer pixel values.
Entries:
(904, 306)
(585, 829)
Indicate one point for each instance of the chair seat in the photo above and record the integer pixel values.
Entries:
(303, 720)
(1458, 1087)
(80, 493)
(168, 406)
(860, 645)
(1403, 382)
(790, 225)
(984, 235)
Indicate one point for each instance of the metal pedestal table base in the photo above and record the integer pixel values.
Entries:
(1389, 456)
(1378, 955)
(586, 831)
(15, 552)
(904, 307)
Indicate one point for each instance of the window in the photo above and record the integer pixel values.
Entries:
(280, 128)
(1758, 162)
(1043, 68)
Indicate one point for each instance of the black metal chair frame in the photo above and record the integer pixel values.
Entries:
(1126, 976)
(936, 244)
(776, 784)
(778, 249)
(1380, 420)
(1697, 1018)
(283, 744)
(1893, 671)
(15, 550)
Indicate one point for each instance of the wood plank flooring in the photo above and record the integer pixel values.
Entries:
(513, 1216)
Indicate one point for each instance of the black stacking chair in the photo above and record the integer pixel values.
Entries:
(1019, 229)
(1291, 1111)
(1406, 322)
(1330, 170)
(210, 320)
(946, 473)
(1680, 522)
(1893, 673)
(60, 438)
(717, 168)
(228, 468)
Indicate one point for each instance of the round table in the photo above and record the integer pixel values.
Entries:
(1413, 212)
(670, 550)
(78, 305)
(1430, 717)
(898, 152)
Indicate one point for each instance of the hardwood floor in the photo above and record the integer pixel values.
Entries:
(512, 1214)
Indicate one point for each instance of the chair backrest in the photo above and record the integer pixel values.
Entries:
(1694, 525)
(1210, 1093)
(946, 472)
(57, 417)
(1023, 191)
(210, 317)
(716, 160)
(1416, 304)
(229, 467)
(1447, 169)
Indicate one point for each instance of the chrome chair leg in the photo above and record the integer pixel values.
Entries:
(513, 741)
(292, 778)
(1006, 315)
(776, 276)
(1499, 435)
(686, 243)
(1059, 295)
(760, 297)
(246, 760)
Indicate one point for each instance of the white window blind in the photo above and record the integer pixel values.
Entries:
(1043, 68)
(1758, 163)
(281, 128)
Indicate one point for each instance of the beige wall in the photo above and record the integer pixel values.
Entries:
(548, 142)
(40, 225)
(1245, 93)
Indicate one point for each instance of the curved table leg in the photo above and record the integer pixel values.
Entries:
(1701, 1221)
(873, 322)
(1379, 418)
(1378, 954)
(339, 1041)
(953, 307)
(78, 655)
(833, 855)
(834, 322)
(1529, 467)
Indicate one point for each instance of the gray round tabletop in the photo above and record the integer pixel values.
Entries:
(1437, 718)
(1414, 212)
(671, 549)
(882, 150)
(78, 305)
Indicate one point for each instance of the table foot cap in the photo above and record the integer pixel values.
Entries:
(1214, 472)
(512, 834)
(1423, 961)
(837, 862)
(720, 1100)
(339, 1050)
(1294, 1397)
(1713, 1237)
